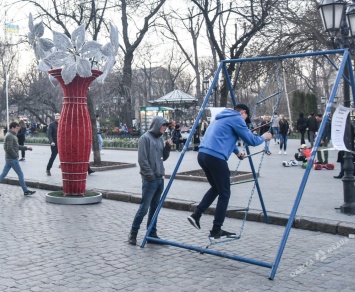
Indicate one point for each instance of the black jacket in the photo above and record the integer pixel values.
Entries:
(52, 132)
(312, 124)
(284, 126)
(302, 124)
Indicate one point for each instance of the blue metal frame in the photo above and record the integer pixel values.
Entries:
(345, 62)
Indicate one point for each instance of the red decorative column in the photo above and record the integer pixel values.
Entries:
(74, 132)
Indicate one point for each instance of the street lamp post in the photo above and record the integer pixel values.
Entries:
(338, 19)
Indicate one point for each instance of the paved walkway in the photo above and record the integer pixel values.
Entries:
(48, 247)
(318, 209)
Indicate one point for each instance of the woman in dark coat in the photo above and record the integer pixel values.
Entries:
(21, 136)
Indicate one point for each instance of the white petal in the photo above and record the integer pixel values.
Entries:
(114, 37)
(78, 36)
(39, 29)
(68, 73)
(90, 49)
(45, 44)
(107, 50)
(30, 23)
(31, 38)
(59, 59)
(43, 66)
(83, 67)
(61, 41)
(53, 80)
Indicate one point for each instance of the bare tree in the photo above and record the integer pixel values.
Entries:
(250, 17)
(148, 13)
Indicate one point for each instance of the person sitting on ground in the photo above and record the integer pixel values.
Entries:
(124, 129)
(324, 139)
(215, 149)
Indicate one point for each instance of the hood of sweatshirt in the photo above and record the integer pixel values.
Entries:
(156, 124)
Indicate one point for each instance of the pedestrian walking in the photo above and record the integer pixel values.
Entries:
(53, 140)
(215, 149)
(151, 154)
(12, 148)
(302, 127)
(284, 132)
(312, 128)
(99, 137)
(265, 127)
(275, 128)
(21, 136)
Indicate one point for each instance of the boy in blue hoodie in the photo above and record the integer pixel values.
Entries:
(215, 149)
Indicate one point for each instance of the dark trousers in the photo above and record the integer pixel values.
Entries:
(218, 175)
(303, 141)
(54, 150)
(22, 142)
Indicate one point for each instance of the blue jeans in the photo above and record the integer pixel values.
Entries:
(283, 141)
(15, 165)
(218, 175)
(151, 192)
(275, 132)
(267, 143)
(99, 138)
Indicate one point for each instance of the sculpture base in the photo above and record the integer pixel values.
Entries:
(59, 198)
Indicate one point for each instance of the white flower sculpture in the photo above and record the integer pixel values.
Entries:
(73, 55)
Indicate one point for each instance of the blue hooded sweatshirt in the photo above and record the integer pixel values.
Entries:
(223, 133)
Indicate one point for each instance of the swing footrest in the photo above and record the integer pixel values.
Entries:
(238, 210)
(242, 182)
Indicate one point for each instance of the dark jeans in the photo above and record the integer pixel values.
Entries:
(151, 192)
(303, 141)
(283, 141)
(54, 150)
(217, 173)
(22, 143)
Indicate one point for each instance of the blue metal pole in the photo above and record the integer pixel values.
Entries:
(257, 184)
(308, 169)
(281, 57)
(212, 252)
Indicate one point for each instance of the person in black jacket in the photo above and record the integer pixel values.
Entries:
(324, 139)
(52, 136)
(284, 131)
(302, 127)
(312, 128)
(21, 136)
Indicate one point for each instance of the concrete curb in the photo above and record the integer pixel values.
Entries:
(300, 222)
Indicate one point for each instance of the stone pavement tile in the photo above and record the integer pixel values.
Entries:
(87, 247)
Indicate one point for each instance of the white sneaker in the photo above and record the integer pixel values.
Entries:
(275, 143)
(102, 153)
(280, 152)
(285, 152)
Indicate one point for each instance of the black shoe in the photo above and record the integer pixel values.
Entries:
(132, 238)
(29, 193)
(48, 172)
(268, 153)
(154, 236)
(338, 176)
(220, 234)
(194, 220)
(22, 159)
(90, 171)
